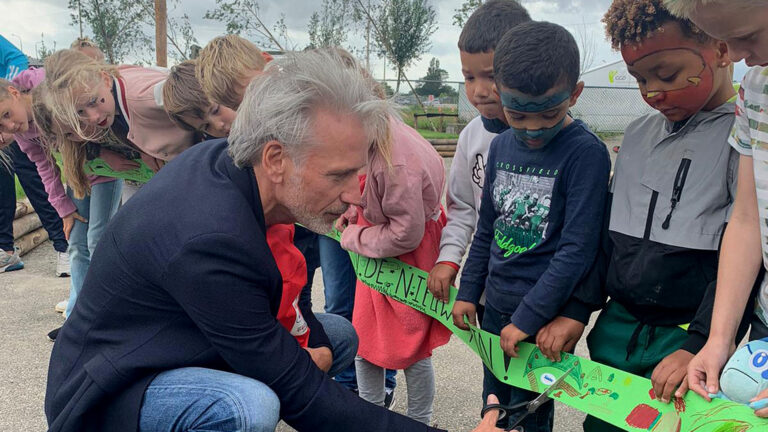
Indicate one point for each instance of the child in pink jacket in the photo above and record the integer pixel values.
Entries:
(400, 217)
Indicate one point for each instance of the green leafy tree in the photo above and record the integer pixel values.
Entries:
(117, 26)
(433, 82)
(462, 14)
(404, 28)
(244, 17)
(125, 27)
(331, 25)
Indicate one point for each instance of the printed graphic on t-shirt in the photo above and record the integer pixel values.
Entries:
(522, 202)
(478, 170)
(300, 325)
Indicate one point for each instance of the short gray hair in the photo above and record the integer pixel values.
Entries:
(280, 103)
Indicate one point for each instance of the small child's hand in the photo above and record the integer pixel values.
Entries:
(440, 280)
(347, 218)
(510, 337)
(561, 334)
(763, 412)
(670, 373)
(462, 309)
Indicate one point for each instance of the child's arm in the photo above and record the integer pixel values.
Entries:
(49, 174)
(564, 331)
(476, 267)
(586, 189)
(403, 207)
(740, 262)
(462, 218)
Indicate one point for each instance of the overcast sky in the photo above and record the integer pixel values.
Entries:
(25, 20)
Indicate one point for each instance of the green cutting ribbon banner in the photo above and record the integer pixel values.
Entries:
(617, 397)
(99, 167)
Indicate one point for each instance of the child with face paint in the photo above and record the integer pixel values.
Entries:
(741, 24)
(477, 43)
(672, 190)
(542, 204)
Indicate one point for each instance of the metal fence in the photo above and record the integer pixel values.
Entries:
(603, 109)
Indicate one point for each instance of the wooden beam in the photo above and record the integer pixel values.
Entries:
(161, 33)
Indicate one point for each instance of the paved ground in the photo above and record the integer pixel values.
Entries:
(27, 298)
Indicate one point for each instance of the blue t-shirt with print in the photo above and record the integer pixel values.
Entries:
(539, 225)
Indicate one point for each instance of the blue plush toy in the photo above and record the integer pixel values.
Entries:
(746, 375)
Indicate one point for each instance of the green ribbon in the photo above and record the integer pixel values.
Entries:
(615, 396)
(99, 167)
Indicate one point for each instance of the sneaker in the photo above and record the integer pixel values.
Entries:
(389, 399)
(62, 265)
(10, 262)
(53, 333)
(61, 306)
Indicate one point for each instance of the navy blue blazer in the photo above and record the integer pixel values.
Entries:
(183, 276)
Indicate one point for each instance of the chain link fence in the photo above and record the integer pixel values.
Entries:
(603, 109)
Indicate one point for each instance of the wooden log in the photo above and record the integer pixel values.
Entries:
(439, 141)
(443, 147)
(25, 225)
(32, 240)
(23, 207)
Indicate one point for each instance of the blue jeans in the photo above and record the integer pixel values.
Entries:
(200, 399)
(97, 208)
(543, 419)
(339, 280)
(30, 181)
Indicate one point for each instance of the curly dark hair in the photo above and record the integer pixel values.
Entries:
(631, 21)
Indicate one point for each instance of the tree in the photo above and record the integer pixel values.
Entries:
(244, 16)
(463, 13)
(330, 27)
(587, 46)
(122, 27)
(42, 50)
(117, 26)
(403, 30)
(432, 83)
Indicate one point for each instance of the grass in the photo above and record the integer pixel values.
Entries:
(19, 191)
(430, 134)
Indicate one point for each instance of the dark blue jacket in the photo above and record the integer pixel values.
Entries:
(539, 224)
(183, 276)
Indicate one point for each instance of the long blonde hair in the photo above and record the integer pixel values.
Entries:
(73, 153)
(69, 75)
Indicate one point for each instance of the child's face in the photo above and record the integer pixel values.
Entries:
(477, 69)
(96, 108)
(535, 120)
(742, 26)
(675, 74)
(13, 113)
(217, 122)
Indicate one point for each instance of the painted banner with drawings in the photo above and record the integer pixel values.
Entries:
(620, 398)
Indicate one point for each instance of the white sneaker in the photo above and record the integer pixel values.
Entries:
(61, 306)
(62, 265)
(10, 262)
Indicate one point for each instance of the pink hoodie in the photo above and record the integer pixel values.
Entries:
(31, 143)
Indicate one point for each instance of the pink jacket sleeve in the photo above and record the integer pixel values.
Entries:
(49, 174)
(403, 207)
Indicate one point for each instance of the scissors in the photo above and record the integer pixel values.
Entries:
(531, 407)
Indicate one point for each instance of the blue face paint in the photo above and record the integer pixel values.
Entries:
(529, 104)
(544, 134)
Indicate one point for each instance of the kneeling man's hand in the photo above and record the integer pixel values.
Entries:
(322, 357)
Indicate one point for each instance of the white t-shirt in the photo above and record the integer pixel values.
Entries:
(750, 138)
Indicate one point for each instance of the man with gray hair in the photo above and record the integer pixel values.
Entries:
(175, 328)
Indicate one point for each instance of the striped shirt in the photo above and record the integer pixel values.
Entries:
(750, 138)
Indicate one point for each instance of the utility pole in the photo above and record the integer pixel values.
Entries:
(80, 19)
(161, 33)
